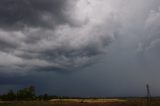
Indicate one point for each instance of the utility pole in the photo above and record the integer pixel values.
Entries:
(148, 94)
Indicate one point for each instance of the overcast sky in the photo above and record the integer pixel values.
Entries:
(80, 47)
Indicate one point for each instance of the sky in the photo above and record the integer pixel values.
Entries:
(100, 48)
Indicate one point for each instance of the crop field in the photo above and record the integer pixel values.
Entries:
(84, 102)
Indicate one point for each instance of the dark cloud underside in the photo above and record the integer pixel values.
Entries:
(32, 13)
(37, 34)
(69, 34)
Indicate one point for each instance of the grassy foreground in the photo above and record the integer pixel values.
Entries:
(84, 102)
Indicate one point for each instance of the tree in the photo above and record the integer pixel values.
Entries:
(9, 96)
(26, 93)
(31, 92)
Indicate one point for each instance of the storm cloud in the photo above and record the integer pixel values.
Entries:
(32, 13)
(52, 34)
(100, 47)
(70, 34)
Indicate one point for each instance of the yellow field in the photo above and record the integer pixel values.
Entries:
(88, 100)
(84, 102)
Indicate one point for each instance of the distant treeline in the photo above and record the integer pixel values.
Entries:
(28, 93)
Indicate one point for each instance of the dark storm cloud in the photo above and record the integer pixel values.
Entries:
(51, 35)
(41, 36)
(69, 34)
(32, 13)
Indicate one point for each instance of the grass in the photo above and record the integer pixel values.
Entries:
(84, 102)
(28, 103)
(143, 102)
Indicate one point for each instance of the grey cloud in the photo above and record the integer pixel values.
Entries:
(18, 14)
(151, 30)
(69, 34)
(114, 39)
(51, 35)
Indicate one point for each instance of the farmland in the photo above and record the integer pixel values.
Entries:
(27, 97)
(85, 102)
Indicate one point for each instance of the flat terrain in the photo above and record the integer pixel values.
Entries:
(84, 102)
(88, 100)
